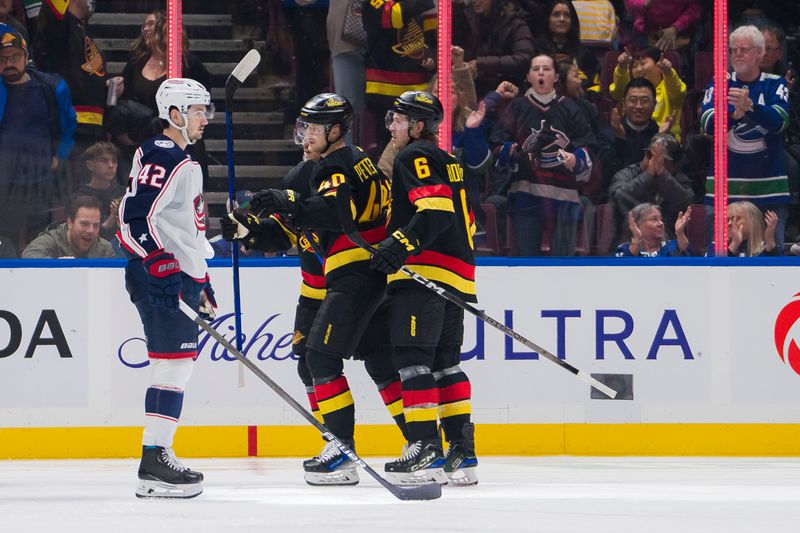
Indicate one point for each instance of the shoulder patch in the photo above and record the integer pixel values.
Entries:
(164, 144)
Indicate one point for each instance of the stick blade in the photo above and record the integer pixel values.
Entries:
(246, 66)
(431, 491)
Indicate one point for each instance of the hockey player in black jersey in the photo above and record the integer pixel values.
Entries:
(274, 234)
(353, 290)
(430, 230)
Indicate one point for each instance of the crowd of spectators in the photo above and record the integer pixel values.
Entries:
(584, 127)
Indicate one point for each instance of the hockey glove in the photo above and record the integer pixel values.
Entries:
(164, 279)
(239, 226)
(268, 201)
(393, 251)
(208, 303)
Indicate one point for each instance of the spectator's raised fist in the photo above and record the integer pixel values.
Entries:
(507, 90)
(664, 64)
(625, 59)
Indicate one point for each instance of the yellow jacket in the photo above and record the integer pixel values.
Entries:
(670, 94)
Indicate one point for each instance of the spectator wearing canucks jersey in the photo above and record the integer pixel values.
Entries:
(36, 126)
(758, 113)
(553, 143)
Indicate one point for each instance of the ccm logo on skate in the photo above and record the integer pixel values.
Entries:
(787, 330)
(38, 338)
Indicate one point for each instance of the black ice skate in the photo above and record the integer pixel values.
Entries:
(331, 467)
(422, 462)
(461, 465)
(162, 475)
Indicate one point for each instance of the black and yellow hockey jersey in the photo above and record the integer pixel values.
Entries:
(65, 47)
(429, 182)
(401, 34)
(370, 200)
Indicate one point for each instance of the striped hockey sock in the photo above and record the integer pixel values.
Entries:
(455, 407)
(162, 407)
(392, 398)
(336, 406)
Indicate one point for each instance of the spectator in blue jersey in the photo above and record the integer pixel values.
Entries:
(36, 125)
(758, 113)
(648, 234)
(750, 233)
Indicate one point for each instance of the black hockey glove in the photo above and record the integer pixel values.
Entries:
(164, 279)
(268, 201)
(239, 226)
(393, 251)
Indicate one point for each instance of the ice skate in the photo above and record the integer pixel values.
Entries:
(422, 462)
(461, 465)
(162, 475)
(331, 467)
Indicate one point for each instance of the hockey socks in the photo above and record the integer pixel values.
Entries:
(420, 398)
(312, 402)
(391, 394)
(162, 407)
(455, 393)
(336, 406)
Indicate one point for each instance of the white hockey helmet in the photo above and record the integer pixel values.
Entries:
(181, 93)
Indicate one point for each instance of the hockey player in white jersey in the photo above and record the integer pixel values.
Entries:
(163, 226)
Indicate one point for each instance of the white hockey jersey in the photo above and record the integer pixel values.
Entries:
(164, 206)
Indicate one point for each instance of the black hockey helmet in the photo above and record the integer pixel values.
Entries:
(327, 108)
(420, 105)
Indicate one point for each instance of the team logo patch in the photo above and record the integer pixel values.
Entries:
(165, 144)
(200, 213)
(7, 38)
(787, 330)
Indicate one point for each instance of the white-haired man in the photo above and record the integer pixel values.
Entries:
(758, 113)
(163, 229)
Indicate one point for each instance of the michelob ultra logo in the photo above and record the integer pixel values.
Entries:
(424, 98)
(333, 102)
(787, 326)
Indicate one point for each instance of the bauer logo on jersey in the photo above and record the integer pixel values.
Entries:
(164, 144)
(787, 331)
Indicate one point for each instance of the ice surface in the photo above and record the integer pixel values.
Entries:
(537, 494)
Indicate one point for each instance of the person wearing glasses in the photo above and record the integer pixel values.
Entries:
(36, 126)
(758, 114)
(633, 123)
(650, 63)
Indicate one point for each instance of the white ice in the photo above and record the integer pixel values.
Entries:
(536, 494)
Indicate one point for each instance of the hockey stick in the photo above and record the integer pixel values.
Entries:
(418, 492)
(234, 81)
(350, 229)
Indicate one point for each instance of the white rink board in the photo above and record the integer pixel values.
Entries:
(713, 361)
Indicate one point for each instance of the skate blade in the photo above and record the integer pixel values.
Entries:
(159, 489)
(344, 477)
(420, 477)
(462, 477)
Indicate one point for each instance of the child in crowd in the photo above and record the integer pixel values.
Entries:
(650, 63)
(101, 160)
